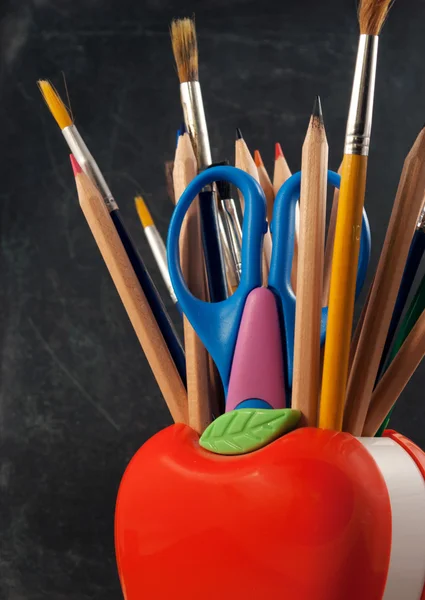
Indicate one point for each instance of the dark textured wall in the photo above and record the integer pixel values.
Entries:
(76, 395)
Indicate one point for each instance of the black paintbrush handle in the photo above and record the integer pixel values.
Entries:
(214, 262)
(152, 295)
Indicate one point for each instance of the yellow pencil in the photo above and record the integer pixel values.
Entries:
(372, 15)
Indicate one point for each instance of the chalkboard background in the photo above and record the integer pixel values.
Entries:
(77, 397)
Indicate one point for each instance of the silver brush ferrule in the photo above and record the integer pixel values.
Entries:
(234, 233)
(359, 124)
(233, 276)
(88, 164)
(159, 251)
(196, 124)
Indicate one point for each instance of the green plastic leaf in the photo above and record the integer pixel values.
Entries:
(247, 429)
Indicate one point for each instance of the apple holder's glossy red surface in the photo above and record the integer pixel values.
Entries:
(307, 517)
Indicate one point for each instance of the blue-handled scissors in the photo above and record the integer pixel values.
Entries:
(217, 324)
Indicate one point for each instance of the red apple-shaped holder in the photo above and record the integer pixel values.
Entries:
(314, 515)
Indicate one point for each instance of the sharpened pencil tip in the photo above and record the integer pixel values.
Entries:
(75, 166)
(257, 159)
(239, 135)
(183, 129)
(317, 109)
(277, 151)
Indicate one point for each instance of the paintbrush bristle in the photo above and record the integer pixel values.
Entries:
(372, 15)
(143, 212)
(185, 49)
(55, 104)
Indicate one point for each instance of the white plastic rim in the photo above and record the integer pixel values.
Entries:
(406, 490)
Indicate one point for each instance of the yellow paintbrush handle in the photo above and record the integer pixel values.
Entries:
(342, 291)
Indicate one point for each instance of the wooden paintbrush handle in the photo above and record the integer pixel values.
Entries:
(342, 291)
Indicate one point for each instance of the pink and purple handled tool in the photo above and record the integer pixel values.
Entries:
(257, 375)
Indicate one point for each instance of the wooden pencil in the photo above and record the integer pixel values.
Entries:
(265, 183)
(357, 331)
(245, 162)
(404, 216)
(193, 268)
(281, 170)
(329, 245)
(132, 295)
(396, 377)
(89, 166)
(314, 169)
(280, 175)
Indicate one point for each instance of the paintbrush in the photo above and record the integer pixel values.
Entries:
(185, 50)
(232, 224)
(91, 169)
(372, 14)
(156, 243)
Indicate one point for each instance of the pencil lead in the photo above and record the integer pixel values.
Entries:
(182, 129)
(278, 152)
(185, 49)
(239, 135)
(317, 109)
(372, 15)
(257, 159)
(75, 166)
